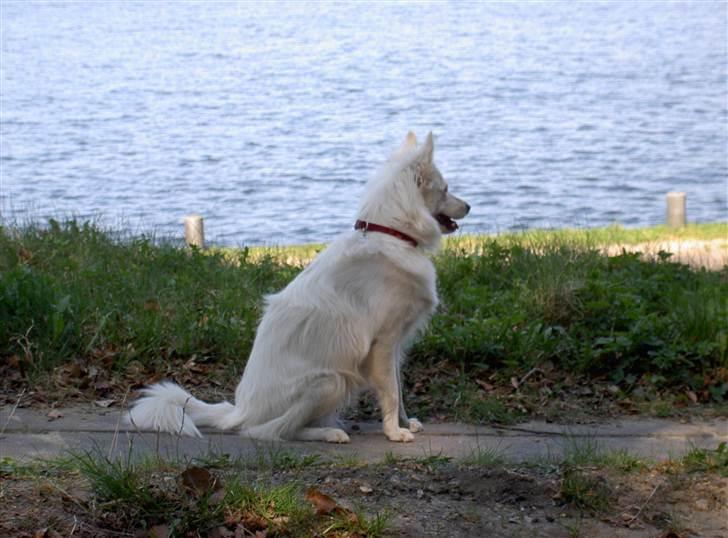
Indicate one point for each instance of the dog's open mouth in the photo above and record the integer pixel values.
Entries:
(446, 222)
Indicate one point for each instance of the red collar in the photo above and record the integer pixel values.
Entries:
(371, 227)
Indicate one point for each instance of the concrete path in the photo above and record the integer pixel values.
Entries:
(30, 433)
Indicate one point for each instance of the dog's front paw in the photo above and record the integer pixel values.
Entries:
(400, 435)
(335, 435)
(415, 425)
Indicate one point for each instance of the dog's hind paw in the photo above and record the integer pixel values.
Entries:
(415, 425)
(400, 435)
(335, 435)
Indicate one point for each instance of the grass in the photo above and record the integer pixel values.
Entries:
(73, 294)
(585, 491)
(486, 457)
(186, 501)
(706, 460)
(220, 496)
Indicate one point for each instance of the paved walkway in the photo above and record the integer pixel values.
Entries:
(30, 433)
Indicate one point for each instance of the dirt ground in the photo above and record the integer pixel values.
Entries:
(430, 499)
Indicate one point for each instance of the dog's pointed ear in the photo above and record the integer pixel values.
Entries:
(423, 161)
(410, 141)
(428, 149)
(409, 144)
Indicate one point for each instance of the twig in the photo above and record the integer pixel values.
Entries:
(530, 372)
(628, 523)
(10, 416)
(115, 438)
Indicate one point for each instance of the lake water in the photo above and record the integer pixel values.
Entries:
(268, 118)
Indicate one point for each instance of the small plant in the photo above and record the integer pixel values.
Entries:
(485, 457)
(622, 461)
(277, 458)
(584, 491)
(131, 496)
(580, 451)
(702, 459)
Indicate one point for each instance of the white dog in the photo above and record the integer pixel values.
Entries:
(342, 324)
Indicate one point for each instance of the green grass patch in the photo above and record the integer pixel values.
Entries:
(584, 490)
(72, 292)
(176, 500)
(706, 460)
(486, 457)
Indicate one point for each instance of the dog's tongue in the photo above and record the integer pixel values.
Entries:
(447, 222)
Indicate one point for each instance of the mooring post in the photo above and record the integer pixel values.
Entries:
(194, 231)
(676, 209)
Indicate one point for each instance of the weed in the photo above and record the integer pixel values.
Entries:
(702, 459)
(622, 461)
(584, 491)
(287, 459)
(581, 451)
(131, 495)
(485, 457)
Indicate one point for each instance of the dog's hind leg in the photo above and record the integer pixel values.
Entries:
(319, 394)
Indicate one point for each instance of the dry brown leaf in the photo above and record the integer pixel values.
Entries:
(151, 306)
(105, 403)
(220, 532)
(250, 521)
(485, 385)
(323, 504)
(692, 396)
(199, 480)
(46, 533)
(53, 414)
(159, 531)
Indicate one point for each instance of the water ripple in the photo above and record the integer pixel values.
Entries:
(556, 114)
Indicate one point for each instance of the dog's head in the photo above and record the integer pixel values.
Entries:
(442, 205)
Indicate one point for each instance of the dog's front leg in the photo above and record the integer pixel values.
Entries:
(412, 424)
(385, 381)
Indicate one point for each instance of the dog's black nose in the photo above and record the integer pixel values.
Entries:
(467, 208)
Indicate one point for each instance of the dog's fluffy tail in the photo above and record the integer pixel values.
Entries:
(169, 408)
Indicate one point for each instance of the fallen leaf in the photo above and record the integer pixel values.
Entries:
(159, 531)
(692, 396)
(105, 403)
(485, 385)
(53, 414)
(46, 533)
(220, 532)
(514, 382)
(217, 497)
(13, 361)
(365, 489)
(151, 306)
(199, 480)
(322, 503)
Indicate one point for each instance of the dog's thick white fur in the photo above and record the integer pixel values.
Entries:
(341, 326)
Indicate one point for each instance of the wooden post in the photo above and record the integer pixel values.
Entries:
(676, 209)
(195, 231)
